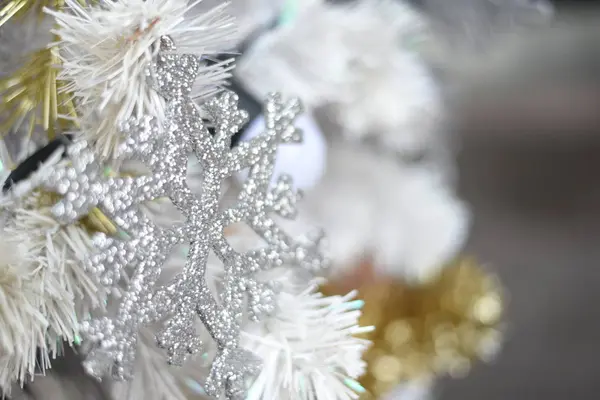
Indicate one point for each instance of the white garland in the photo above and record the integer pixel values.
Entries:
(107, 48)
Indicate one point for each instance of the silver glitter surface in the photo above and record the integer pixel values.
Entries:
(140, 254)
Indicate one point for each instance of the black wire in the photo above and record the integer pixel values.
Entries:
(33, 162)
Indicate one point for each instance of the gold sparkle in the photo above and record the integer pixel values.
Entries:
(437, 328)
(32, 97)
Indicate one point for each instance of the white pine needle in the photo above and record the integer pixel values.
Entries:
(107, 48)
(308, 348)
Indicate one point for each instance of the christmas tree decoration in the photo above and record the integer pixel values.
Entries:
(136, 283)
(439, 327)
(127, 261)
(164, 226)
(106, 48)
(166, 157)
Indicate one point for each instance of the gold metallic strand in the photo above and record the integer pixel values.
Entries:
(437, 328)
(21, 8)
(98, 222)
(32, 97)
(94, 222)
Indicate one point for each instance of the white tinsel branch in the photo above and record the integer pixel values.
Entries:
(308, 348)
(44, 287)
(106, 50)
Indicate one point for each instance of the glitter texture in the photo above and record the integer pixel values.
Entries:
(141, 254)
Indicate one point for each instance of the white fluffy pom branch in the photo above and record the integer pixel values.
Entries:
(106, 49)
(366, 63)
(44, 288)
(308, 348)
(22, 324)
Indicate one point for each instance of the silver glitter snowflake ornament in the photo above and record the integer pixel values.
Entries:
(141, 252)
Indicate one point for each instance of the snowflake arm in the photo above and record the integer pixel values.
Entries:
(223, 320)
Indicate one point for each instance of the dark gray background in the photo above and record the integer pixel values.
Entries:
(530, 169)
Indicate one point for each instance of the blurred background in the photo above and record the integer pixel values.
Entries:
(527, 167)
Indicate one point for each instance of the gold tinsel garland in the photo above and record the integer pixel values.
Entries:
(436, 328)
(32, 96)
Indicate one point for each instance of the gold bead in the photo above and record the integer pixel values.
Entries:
(398, 333)
(487, 309)
(386, 368)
